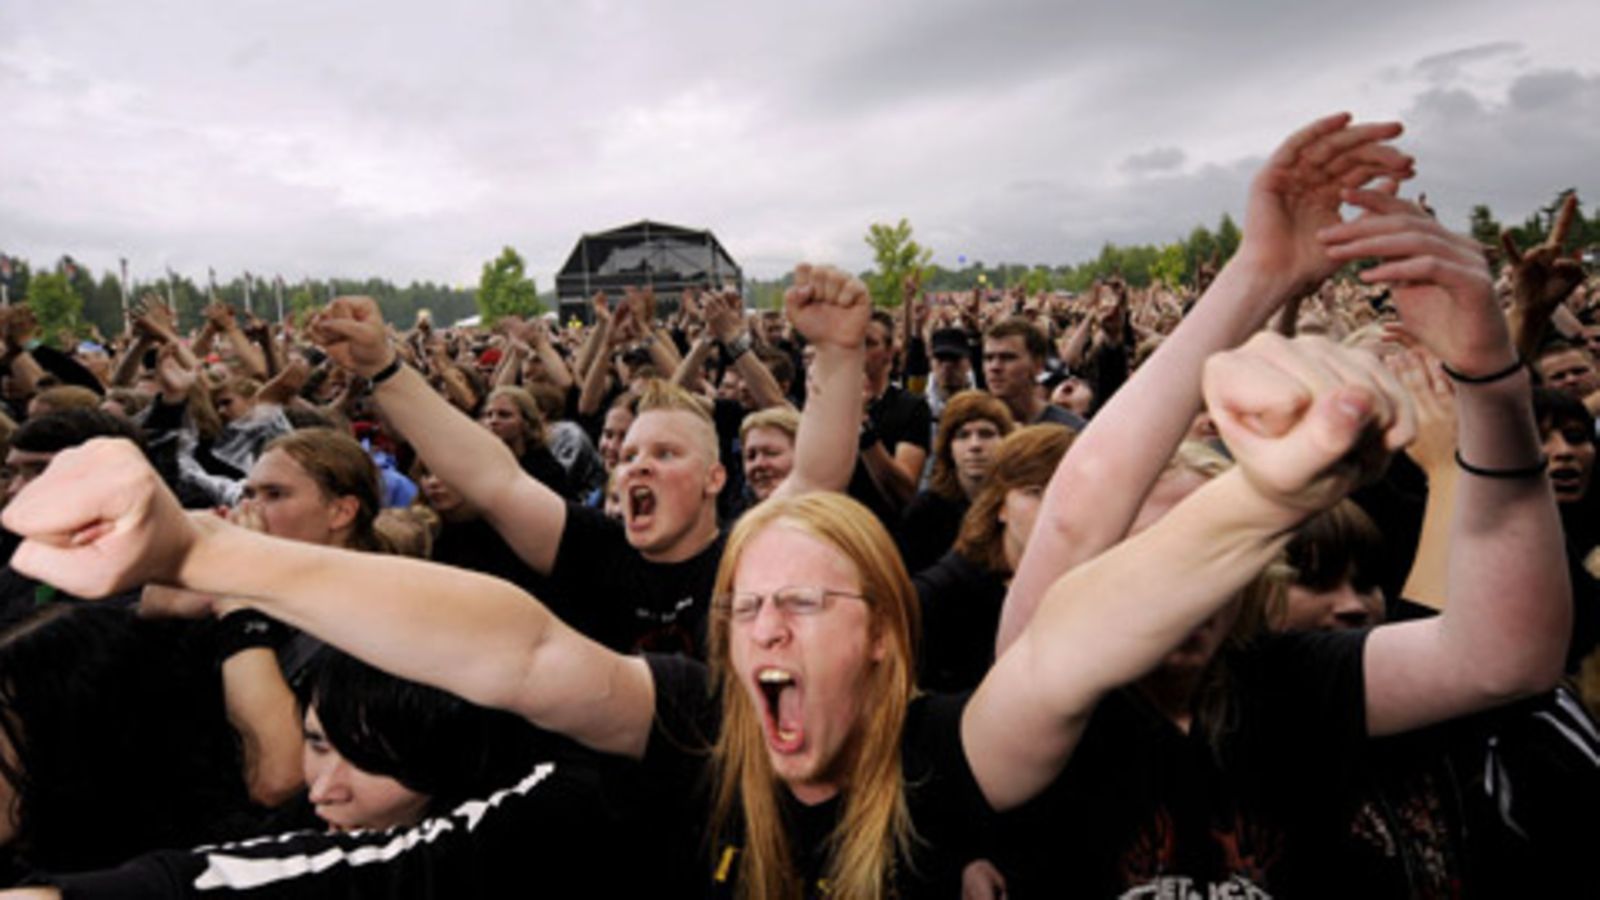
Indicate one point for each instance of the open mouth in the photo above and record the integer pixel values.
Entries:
(781, 712)
(1566, 481)
(641, 503)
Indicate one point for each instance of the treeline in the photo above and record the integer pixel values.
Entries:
(67, 296)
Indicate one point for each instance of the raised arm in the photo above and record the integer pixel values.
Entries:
(725, 319)
(1540, 281)
(1097, 490)
(100, 520)
(830, 309)
(1299, 417)
(466, 456)
(1508, 606)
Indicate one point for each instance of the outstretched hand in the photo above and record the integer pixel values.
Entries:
(1540, 277)
(98, 521)
(350, 330)
(828, 306)
(1305, 419)
(1439, 280)
(1297, 193)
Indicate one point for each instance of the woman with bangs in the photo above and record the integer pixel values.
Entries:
(963, 592)
(971, 428)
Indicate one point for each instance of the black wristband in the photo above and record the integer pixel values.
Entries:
(387, 372)
(1507, 372)
(244, 629)
(869, 436)
(1532, 471)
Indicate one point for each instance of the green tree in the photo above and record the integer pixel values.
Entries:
(1228, 237)
(898, 257)
(56, 306)
(505, 290)
(1172, 266)
(1483, 226)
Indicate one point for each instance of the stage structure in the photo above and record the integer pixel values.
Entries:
(666, 257)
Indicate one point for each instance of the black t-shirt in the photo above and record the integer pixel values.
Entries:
(603, 587)
(947, 809)
(475, 545)
(554, 833)
(899, 418)
(928, 528)
(961, 603)
(539, 462)
(1144, 810)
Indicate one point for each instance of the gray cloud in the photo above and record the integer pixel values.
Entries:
(1448, 65)
(391, 138)
(1160, 159)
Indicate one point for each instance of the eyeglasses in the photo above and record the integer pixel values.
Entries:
(801, 600)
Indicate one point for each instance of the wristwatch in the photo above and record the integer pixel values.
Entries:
(739, 346)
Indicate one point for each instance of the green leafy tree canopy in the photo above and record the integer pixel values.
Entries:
(505, 289)
(898, 258)
(56, 306)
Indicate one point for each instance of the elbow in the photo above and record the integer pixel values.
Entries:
(273, 789)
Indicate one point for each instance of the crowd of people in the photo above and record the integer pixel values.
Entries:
(1279, 584)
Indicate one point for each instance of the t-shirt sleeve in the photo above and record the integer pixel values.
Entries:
(587, 582)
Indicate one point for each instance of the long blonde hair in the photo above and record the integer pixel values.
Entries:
(875, 828)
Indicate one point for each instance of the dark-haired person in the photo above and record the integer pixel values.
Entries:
(113, 741)
(962, 593)
(31, 447)
(1014, 355)
(382, 752)
(894, 434)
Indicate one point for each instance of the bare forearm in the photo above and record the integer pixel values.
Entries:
(1509, 596)
(758, 379)
(249, 356)
(594, 381)
(264, 713)
(688, 372)
(1096, 491)
(825, 446)
(464, 455)
(128, 364)
(1108, 622)
(1427, 582)
(555, 368)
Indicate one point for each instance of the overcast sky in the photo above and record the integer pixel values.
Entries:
(413, 140)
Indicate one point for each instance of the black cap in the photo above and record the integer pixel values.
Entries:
(949, 342)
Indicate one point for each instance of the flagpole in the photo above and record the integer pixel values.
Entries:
(124, 286)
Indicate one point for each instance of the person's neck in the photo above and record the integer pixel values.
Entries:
(1172, 692)
(1026, 408)
(877, 385)
(691, 544)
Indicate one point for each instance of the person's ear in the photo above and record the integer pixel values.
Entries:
(716, 477)
(344, 512)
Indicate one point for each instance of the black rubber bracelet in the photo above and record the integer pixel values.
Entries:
(387, 372)
(1507, 372)
(245, 629)
(1524, 472)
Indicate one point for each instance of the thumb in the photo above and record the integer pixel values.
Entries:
(1336, 422)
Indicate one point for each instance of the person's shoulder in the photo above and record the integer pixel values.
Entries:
(1056, 415)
